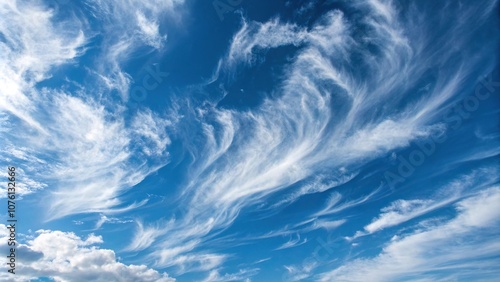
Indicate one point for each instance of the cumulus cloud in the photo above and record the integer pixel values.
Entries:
(64, 256)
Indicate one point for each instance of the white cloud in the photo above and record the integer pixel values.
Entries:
(452, 249)
(127, 26)
(69, 142)
(402, 211)
(145, 236)
(334, 204)
(324, 115)
(328, 225)
(28, 185)
(195, 262)
(292, 243)
(150, 128)
(92, 149)
(298, 273)
(104, 219)
(65, 256)
(253, 36)
(241, 275)
(33, 45)
(149, 31)
(317, 185)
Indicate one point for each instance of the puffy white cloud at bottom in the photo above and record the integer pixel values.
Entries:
(64, 256)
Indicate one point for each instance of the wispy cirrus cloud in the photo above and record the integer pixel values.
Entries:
(241, 275)
(264, 36)
(334, 204)
(401, 211)
(104, 219)
(31, 45)
(145, 236)
(318, 185)
(298, 273)
(96, 160)
(444, 250)
(88, 149)
(126, 27)
(325, 114)
(293, 242)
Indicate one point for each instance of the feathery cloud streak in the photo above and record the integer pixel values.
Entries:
(327, 114)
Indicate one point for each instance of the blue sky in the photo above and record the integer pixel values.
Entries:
(237, 140)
